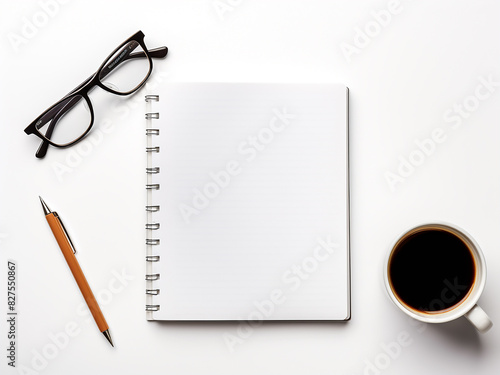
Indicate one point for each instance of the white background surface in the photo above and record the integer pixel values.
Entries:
(427, 58)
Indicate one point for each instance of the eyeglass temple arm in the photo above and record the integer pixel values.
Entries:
(56, 112)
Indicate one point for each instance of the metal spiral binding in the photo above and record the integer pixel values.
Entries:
(153, 170)
(150, 186)
(152, 98)
(151, 131)
(152, 307)
(152, 116)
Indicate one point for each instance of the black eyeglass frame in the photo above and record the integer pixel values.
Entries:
(52, 114)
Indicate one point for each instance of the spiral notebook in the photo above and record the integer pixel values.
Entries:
(247, 202)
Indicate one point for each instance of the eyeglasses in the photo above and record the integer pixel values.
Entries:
(123, 72)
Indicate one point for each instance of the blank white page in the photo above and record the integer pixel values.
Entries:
(253, 202)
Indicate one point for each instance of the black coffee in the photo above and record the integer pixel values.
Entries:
(431, 270)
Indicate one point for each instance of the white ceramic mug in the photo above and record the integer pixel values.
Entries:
(468, 305)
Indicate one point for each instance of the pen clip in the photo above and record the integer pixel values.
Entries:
(66, 233)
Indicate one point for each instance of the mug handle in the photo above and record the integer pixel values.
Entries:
(479, 319)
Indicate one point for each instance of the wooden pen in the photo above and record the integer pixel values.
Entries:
(69, 252)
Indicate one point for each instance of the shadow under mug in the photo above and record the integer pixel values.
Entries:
(466, 306)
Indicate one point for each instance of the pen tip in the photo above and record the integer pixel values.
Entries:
(46, 209)
(108, 337)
